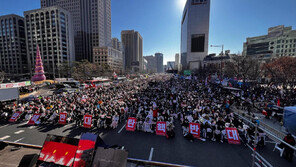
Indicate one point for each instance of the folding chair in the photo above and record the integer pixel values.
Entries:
(280, 149)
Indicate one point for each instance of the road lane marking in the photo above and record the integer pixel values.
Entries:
(121, 129)
(68, 125)
(25, 123)
(3, 126)
(5, 137)
(31, 127)
(151, 154)
(18, 132)
(19, 139)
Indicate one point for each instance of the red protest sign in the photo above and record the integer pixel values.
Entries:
(194, 129)
(87, 121)
(232, 136)
(62, 118)
(34, 119)
(14, 116)
(58, 153)
(161, 128)
(131, 124)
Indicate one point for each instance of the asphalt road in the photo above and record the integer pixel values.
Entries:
(149, 146)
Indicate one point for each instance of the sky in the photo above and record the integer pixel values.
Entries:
(159, 21)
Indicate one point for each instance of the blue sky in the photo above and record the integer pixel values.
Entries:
(158, 21)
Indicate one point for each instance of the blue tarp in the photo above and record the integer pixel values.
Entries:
(290, 119)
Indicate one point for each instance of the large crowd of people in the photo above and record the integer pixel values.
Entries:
(167, 98)
(158, 98)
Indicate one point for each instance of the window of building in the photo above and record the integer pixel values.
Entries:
(198, 43)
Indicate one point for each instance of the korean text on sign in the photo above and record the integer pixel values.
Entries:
(87, 120)
(14, 116)
(62, 118)
(161, 128)
(34, 119)
(194, 129)
(131, 124)
(232, 136)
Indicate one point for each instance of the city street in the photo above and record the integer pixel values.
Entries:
(148, 146)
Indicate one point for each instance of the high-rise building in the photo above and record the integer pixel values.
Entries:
(132, 43)
(13, 55)
(280, 41)
(159, 61)
(151, 64)
(51, 29)
(195, 33)
(177, 62)
(92, 24)
(116, 44)
(109, 56)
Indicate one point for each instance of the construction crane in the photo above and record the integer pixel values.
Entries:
(219, 46)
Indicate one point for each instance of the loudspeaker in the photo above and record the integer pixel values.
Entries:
(28, 160)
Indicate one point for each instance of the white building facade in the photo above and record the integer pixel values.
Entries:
(195, 33)
(280, 41)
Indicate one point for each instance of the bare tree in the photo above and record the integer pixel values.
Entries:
(281, 70)
(243, 67)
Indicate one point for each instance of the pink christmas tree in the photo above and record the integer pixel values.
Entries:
(39, 71)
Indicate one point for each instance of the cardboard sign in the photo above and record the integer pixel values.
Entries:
(161, 128)
(62, 118)
(232, 136)
(87, 120)
(15, 116)
(194, 129)
(131, 124)
(34, 119)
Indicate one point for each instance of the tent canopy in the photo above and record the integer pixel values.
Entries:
(290, 119)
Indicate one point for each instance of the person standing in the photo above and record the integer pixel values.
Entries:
(288, 153)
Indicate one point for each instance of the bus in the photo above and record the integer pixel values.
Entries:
(98, 82)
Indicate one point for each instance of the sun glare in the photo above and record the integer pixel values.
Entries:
(181, 4)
